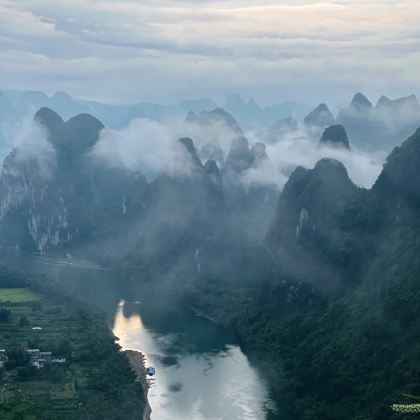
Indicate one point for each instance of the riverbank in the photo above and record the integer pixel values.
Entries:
(137, 362)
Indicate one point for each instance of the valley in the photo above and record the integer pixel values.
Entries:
(293, 295)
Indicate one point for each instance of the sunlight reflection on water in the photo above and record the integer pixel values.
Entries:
(215, 384)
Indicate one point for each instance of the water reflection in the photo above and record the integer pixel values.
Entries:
(201, 373)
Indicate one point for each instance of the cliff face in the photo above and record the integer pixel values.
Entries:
(56, 194)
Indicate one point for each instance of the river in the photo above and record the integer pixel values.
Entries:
(201, 372)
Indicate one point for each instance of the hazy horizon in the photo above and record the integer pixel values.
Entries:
(165, 51)
(334, 106)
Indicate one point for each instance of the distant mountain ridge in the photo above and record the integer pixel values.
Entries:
(249, 114)
(371, 128)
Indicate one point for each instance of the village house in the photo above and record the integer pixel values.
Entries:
(39, 358)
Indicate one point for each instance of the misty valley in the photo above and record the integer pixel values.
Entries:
(207, 262)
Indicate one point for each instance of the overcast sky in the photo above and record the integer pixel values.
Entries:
(163, 50)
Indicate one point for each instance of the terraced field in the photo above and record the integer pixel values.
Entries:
(96, 380)
(17, 295)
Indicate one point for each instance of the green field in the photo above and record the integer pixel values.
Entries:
(17, 295)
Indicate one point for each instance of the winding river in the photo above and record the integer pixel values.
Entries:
(201, 372)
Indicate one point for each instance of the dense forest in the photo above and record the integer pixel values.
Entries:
(340, 336)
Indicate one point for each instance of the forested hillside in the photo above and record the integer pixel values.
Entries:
(335, 315)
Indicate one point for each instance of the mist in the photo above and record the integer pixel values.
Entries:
(145, 146)
(301, 148)
(29, 143)
(152, 148)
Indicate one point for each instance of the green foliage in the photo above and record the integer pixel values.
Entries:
(17, 294)
(99, 385)
(24, 322)
(4, 315)
(351, 354)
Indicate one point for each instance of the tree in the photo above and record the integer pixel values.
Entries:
(64, 348)
(55, 374)
(4, 315)
(23, 321)
(19, 356)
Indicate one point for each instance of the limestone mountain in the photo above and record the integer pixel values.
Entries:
(240, 157)
(60, 195)
(335, 136)
(361, 103)
(407, 102)
(321, 117)
(305, 215)
(381, 127)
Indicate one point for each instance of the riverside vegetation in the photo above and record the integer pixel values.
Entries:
(341, 337)
(95, 382)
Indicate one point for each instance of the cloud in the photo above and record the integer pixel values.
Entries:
(301, 149)
(31, 150)
(168, 50)
(145, 146)
(152, 149)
